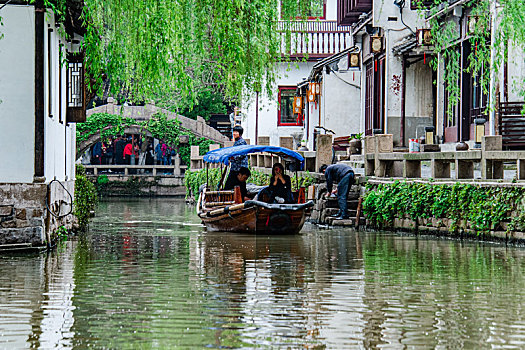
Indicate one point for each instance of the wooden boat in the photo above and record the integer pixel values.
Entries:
(225, 211)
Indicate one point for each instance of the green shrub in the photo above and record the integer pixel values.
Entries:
(86, 198)
(479, 208)
(194, 179)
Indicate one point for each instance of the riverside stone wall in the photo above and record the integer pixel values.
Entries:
(477, 209)
(24, 218)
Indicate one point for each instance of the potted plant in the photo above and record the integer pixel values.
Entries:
(303, 147)
(356, 144)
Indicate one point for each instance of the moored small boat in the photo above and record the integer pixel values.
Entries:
(225, 211)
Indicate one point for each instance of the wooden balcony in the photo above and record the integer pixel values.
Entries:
(348, 11)
(512, 125)
(315, 39)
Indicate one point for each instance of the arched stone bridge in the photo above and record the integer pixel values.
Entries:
(139, 113)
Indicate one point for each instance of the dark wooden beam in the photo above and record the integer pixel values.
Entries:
(39, 88)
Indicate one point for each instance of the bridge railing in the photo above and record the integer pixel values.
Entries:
(138, 170)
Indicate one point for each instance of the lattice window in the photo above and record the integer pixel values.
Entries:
(76, 91)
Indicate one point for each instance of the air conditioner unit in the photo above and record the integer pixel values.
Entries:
(423, 37)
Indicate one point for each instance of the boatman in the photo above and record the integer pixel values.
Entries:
(239, 180)
(237, 162)
(344, 176)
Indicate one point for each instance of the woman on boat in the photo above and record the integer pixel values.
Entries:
(280, 188)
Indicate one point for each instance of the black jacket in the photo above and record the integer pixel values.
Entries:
(335, 173)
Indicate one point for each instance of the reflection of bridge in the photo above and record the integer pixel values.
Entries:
(139, 113)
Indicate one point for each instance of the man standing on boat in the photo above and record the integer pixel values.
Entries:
(237, 162)
(344, 176)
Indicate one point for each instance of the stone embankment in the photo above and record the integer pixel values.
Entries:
(326, 208)
(24, 220)
(482, 210)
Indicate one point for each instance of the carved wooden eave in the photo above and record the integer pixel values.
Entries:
(350, 11)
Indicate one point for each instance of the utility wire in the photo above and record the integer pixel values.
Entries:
(347, 82)
(4, 5)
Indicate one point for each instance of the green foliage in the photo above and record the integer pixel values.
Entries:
(510, 31)
(62, 233)
(134, 186)
(162, 128)
(207, 102)
(194, 179)
(86, 198)
(479, 208)
(160, 47)
(102, 179)
(358, 136)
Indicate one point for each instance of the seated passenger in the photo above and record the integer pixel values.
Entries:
(239, 180)
(280, 188)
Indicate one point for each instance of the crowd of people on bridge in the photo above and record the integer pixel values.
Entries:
(129, 150)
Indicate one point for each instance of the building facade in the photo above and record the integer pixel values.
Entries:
(272, 114)
(43, 95)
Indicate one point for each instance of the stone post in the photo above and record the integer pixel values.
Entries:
(383, 144)
(176, 169)
(491, 169)
(369, 147)
(323, 154)
(263, 140)
(287, 142)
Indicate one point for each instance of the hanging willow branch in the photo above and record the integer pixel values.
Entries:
(152, 48)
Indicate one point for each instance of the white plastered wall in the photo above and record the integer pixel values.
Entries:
(341, 100)
(418, 100)
(515, 74)
(17, 87)
(60, 138)
(290, 75)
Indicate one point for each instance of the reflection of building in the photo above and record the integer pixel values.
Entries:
(42, 93)
(37, 311)
(303, 289)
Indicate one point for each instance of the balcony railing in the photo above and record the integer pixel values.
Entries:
(512, 124)
(315, 39)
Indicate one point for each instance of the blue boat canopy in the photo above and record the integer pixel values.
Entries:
(223, 155)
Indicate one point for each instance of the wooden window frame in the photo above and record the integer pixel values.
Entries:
(50, 75)
(75, 114)
(279, 123)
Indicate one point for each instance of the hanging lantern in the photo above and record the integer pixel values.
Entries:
(297, 104)
(311, 93)
(318, 88)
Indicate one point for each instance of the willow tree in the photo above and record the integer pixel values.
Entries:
(149, 48)
(505, 17)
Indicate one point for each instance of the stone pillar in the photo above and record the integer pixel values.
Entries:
(176, 169)
(200, 125)
(263, 140)
(439, 169)
(521, 169)
(382, 144)
(323, 154)
(287, 142)
(491, 169)
(369, 147)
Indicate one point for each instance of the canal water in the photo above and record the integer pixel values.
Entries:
(147, 275)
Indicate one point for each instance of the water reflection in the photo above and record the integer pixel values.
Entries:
(147, 276)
